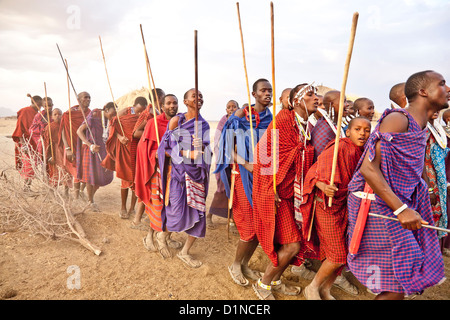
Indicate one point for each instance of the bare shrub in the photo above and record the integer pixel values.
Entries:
(41, 207)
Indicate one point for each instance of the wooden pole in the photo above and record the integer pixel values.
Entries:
(147, 62)
(246, 78)
(76, 95)
(35, 105)
(110, 89)
(70, 111)
(196, 82)
(342, 98)
(423, 225)
(48, 122)
(274, 126)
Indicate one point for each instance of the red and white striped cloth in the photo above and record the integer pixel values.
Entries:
(196, 195)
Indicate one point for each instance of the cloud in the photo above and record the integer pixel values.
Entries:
(393, 40)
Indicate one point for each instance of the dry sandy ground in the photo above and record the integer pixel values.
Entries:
(34, 268)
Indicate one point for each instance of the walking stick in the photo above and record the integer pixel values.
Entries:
(274, 126)
(149, 73)
(48, 122)
(196, 82)
(76, 95)
(35, 105)
(70, 111)
(246, 79)
(109, 84)
(423, 225)
(342, 98)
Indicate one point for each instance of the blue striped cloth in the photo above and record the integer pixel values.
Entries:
(391, 258)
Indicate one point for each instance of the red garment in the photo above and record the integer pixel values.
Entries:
(242, 211)
(120, 153)
(76, 118)
(293, 156)
(330, 223)
(25, 117)
(146, 157)
(143, 118)
(58, 151)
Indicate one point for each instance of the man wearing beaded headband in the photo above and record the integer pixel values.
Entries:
(278, 232)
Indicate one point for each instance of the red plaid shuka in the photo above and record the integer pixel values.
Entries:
(242, 211)
(330, 223)
(58, 151)
(117, 153)
(25, 117)
(76, 118)
(293, 155)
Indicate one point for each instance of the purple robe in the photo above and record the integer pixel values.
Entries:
(321, 135)
(89, 168)
(391, 258)
(178, 216)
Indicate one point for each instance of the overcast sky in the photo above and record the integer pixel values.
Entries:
(394, 39)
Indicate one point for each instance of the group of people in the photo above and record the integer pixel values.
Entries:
(295, 188)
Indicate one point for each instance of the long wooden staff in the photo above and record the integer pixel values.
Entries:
(36, 106)
(76, 95)
(246, 78)
(70, 109)
(342, 98)
(274, 122)
(48, 121)
(196, 82)
(423, 225)
(110, 89)
(149, 72)
(33, 102)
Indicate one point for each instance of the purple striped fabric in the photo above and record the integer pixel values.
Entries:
(391, 258)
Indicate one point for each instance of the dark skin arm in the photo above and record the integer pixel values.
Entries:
(371, 172)
(140, 130)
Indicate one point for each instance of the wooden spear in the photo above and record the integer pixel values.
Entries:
(423, 225)
(48, 122)
(196, 82)
(70, 111)
(342, 98)
(149, 72)
(110, 89)
(274, 122)
(246, 78)
(76, 95)
(35, 105)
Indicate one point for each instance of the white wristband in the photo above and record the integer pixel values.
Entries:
(188, 155)
(400, 210)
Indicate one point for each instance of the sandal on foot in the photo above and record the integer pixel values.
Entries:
(151, 247)
(303, 272)
(189, 260)
(138, 226)
(162, 244)
(251, 274)
(93, 207)
(238, 278)
(263, 291)
(123, 214)
(285, 289)
(174, 244)
(307, 295)
(342, 283)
